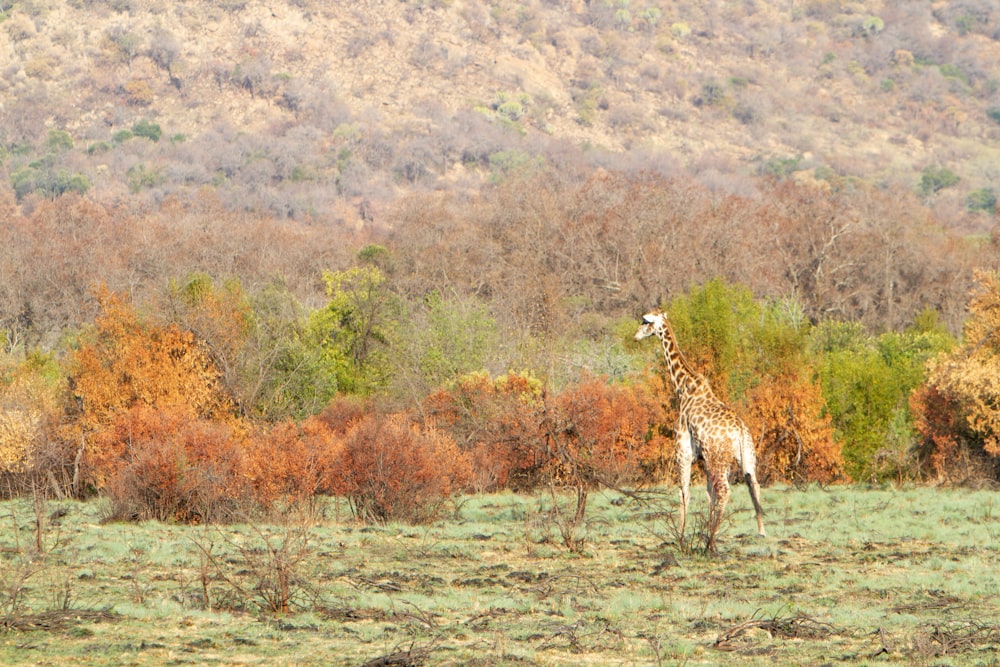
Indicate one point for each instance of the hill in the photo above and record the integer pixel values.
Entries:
(322, 110)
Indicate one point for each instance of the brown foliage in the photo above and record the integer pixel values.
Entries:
(498, 422)
(604, 434)
(342, 412)
(129, 362)
(957, 413)
(165, 464)
(948, 450)
(26, 403)
(292, 462)
(392, 468)
(792, 434)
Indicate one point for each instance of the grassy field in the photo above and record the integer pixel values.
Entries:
(847, 575)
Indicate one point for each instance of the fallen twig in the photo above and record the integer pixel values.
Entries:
(57, 619)
(798, 626)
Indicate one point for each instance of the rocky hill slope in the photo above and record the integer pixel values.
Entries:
(315, 109)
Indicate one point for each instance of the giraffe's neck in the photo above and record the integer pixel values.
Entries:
(684, 379)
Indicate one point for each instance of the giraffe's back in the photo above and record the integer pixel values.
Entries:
(720, 433)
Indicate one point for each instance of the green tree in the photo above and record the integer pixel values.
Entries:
(258, 342)
(712, 325)
(935, 179)
(356, 328)
(449, 337)
(59, 140)
(983, 199)
(297, 382)
(44, 178)
(867, 381)
(147, 129)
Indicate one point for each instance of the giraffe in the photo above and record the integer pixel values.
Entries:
(707, 430)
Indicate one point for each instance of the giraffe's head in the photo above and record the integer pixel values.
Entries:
(653, 323)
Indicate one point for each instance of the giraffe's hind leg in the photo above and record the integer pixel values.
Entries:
(718, 484)
(718, 491)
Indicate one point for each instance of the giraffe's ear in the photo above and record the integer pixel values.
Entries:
(648, 318)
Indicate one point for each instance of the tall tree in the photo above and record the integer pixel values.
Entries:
(125, 362)
(356, 328)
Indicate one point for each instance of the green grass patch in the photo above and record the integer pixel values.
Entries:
(848, 575)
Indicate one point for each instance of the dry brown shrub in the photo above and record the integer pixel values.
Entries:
(498, 422)
(394, 469)
(948, 451)
(342, 412)
(606, 434)
(597, 434)
(957, 412)
(166, 464)
(793, 436)
(291, 462)
(138, 93)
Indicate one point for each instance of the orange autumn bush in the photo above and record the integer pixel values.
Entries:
(957, 411)
(792, 433)
(948, 450)
(607, 434)
(498, 423)
(292, 462)
(127, 363)
(167, 464)
(395, 469)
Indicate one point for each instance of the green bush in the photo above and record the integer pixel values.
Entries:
(712, 93)
(873, 25)
(935, 179)
(735, 339)
(356, 328)
(709, 322)
(867, 381)
(512, 162)
(145, 128)
(953, 72)
(983, 199)
(140, 178)
(450, 338)
(510, 110)
(46, 181)
(781, 167)
(59, 140)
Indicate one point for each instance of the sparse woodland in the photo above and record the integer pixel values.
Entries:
(252, 253)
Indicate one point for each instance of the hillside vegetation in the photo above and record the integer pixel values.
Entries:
(309, 108)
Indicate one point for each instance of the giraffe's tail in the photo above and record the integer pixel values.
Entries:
(752, 485)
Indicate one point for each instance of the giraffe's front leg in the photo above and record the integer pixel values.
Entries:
(685, 457)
